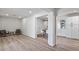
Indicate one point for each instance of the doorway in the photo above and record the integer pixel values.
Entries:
(42, 27)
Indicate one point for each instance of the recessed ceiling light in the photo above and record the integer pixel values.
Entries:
(19, 17)
(7, 14)
(75, 11)
(30, 11)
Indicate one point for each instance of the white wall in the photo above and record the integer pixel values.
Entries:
(40, 25)
(28, 26)
(36, 16)
(71, 29)
(9, 24)
(45, 24)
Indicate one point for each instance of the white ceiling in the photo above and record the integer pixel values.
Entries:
(70, 11)
(22, 12)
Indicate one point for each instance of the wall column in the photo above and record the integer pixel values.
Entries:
(51, 29)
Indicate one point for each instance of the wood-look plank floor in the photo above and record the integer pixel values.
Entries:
(24, 43)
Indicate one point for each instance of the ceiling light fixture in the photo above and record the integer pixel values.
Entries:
(75, 11)
(30, 11)
(19, 17)
(7, 14)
